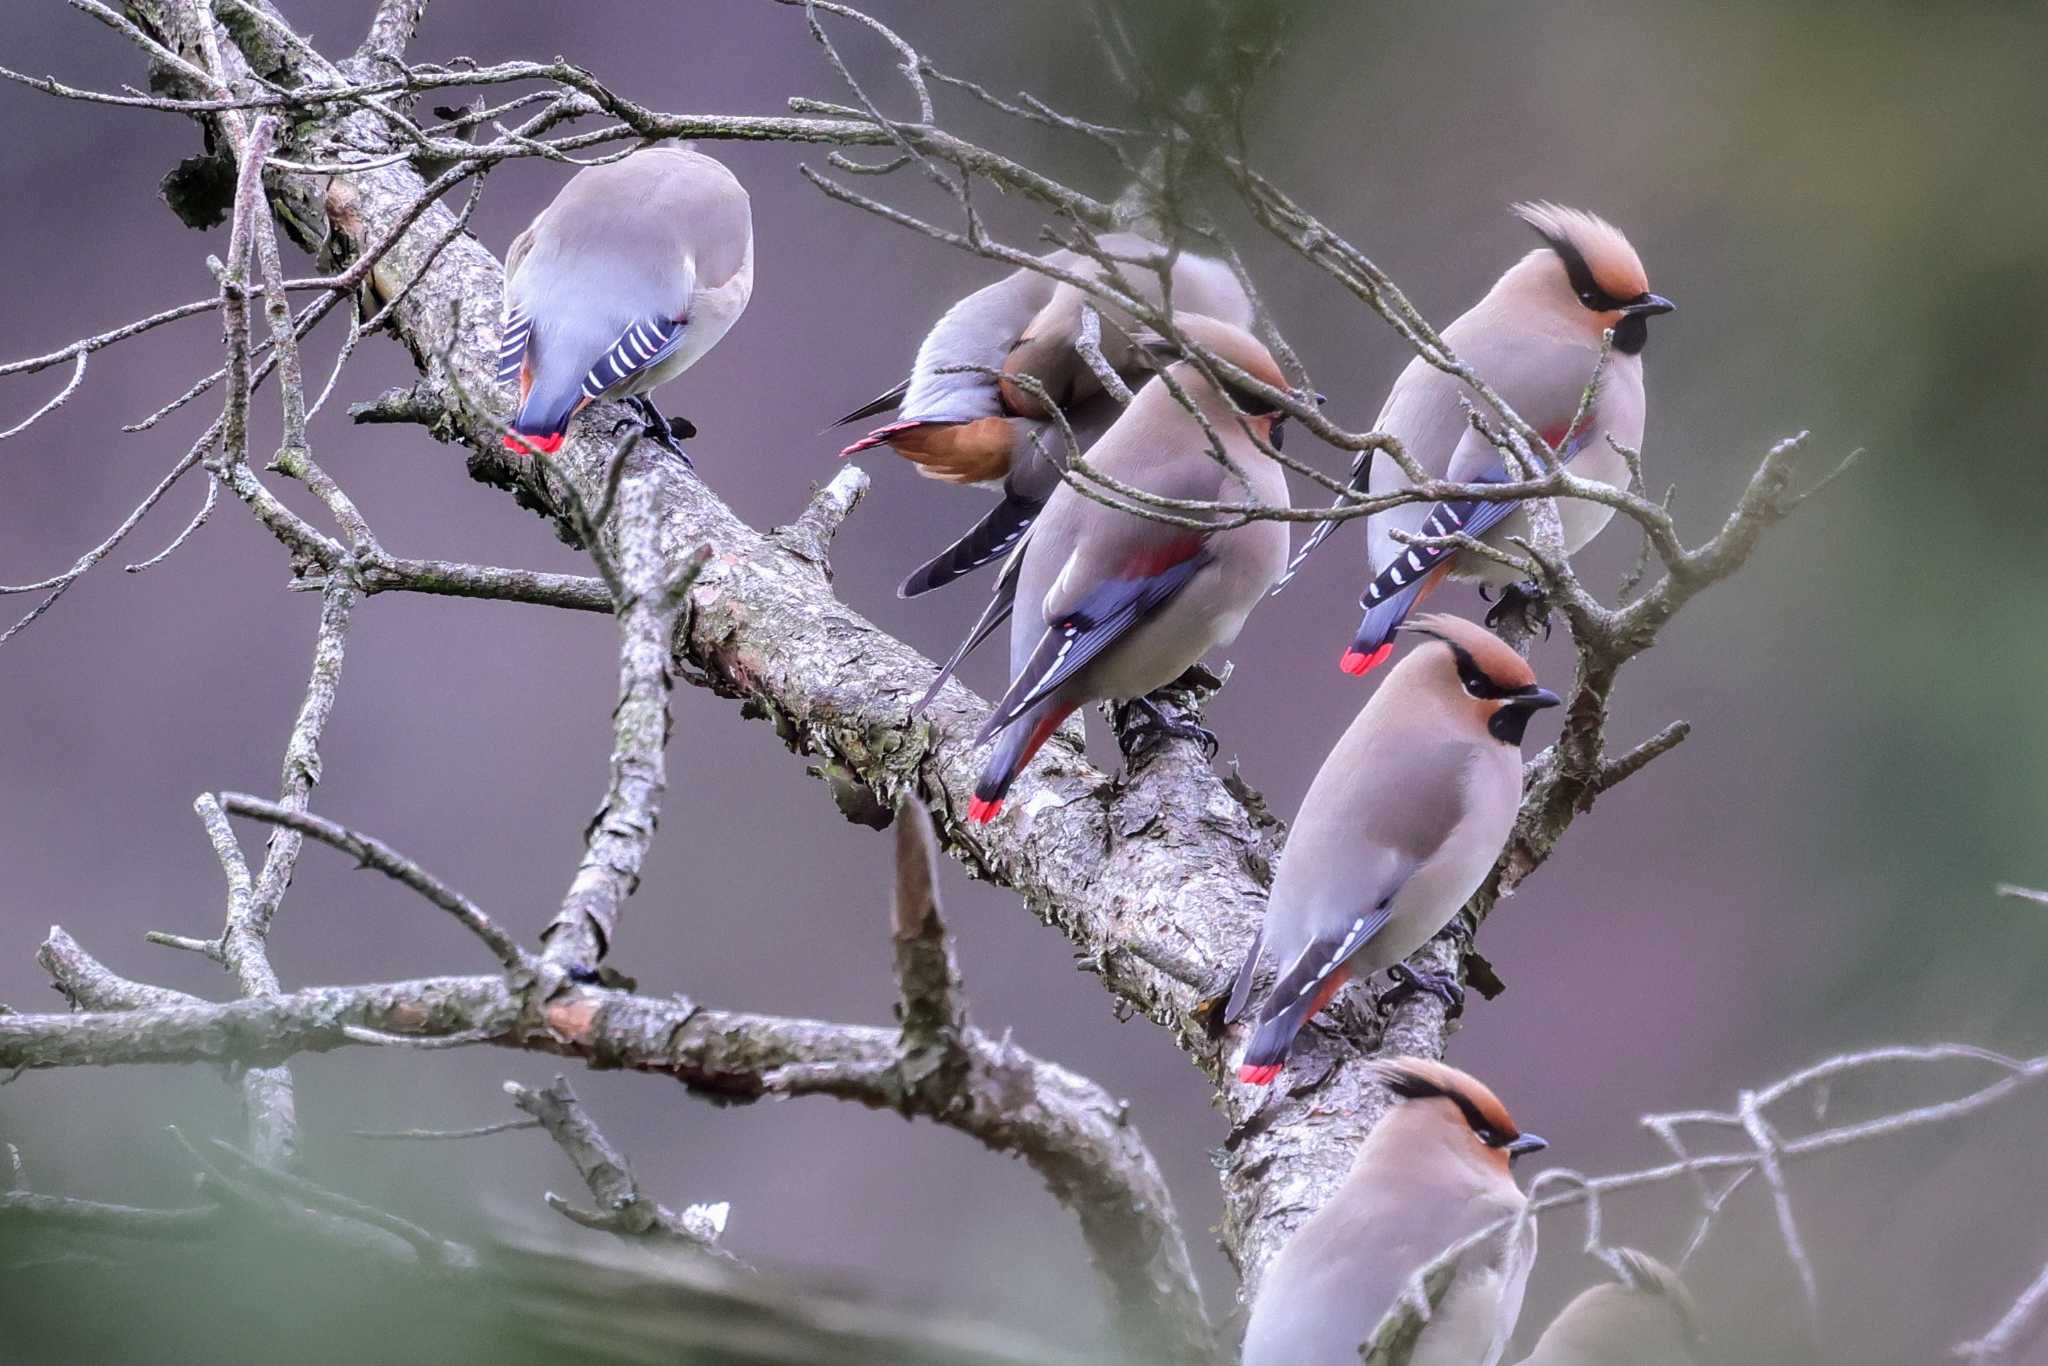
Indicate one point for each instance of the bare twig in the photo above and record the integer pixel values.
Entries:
(622, 1208)
(652, 593)
(506, 1126)
(369, 852)
(2020, 1328)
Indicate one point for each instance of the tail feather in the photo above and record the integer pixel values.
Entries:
(1266, 1053)
(987, 541)
(880, 436)
(1374, 640)
(1014, 748)
(544, 416)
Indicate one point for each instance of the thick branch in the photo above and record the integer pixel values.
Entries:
(1075, 1136)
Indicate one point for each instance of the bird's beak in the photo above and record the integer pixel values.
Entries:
(1648, 306)
(1526, 1144)
(1539, 699)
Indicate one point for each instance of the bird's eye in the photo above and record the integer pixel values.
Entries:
(1587, 297)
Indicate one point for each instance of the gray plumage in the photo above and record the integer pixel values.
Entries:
(967, 426)
(635, 270)
(1111, 604)
(1536, 340)
(1401, 825)
(1422, 1182)
(1644, 1317)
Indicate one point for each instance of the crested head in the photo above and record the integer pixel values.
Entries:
(1233, 344)
(1492, 655)
(1461, 1102)
(1229, 404)
(1598, 269)
(1585, 239)
(1644, 1275)
(1485, 681)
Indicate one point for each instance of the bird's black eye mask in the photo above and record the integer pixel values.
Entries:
(1510, 722)
(1413, 1086)
(1632, 333)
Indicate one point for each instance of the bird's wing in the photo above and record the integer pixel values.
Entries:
(1326, 952)
(1361, 472)
(1000, 604)
(642, 346)
(885, 402)
(1097, 619)
(515, 324)
(988, 539)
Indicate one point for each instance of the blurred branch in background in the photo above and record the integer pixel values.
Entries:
(1157, 879)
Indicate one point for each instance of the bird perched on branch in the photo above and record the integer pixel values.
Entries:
(1536, 338)
(1644, 1317)
(968, 426)
(635, 270)
(1400, 827)
(1433, 1173)
(1112, 603)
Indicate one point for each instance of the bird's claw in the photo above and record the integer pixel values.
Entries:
(1408, 982)
(1143, 726)
(664, 432)
(1524, 605)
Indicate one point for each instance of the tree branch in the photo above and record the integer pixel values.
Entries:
(622, 1209)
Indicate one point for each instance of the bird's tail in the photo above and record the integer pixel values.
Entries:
(880, 436)
(990, 539)
(1014, 748)
(1266, 1053)
(1390, 603)
(543, 418)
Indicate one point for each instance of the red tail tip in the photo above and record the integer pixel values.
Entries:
(517, 442)
(1258, 1076)
(981, 811)
(1358, 664)
(880, 436)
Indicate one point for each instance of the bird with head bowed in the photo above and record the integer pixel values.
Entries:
(966, 416)
(636, 269)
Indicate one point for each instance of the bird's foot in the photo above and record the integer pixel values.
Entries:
(1142, 726)
(1522, 606)
(1408, 982)
(665, 432)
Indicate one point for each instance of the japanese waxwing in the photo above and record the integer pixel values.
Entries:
(1536, 339)
(1645, 1317)
(1398, 830)
(1433, 1172)
(1112, 604)
(969, 427)
(635, 270)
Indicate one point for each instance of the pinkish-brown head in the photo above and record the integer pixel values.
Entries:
(1594, 266)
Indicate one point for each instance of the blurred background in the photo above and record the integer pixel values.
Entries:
(1847, 203)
